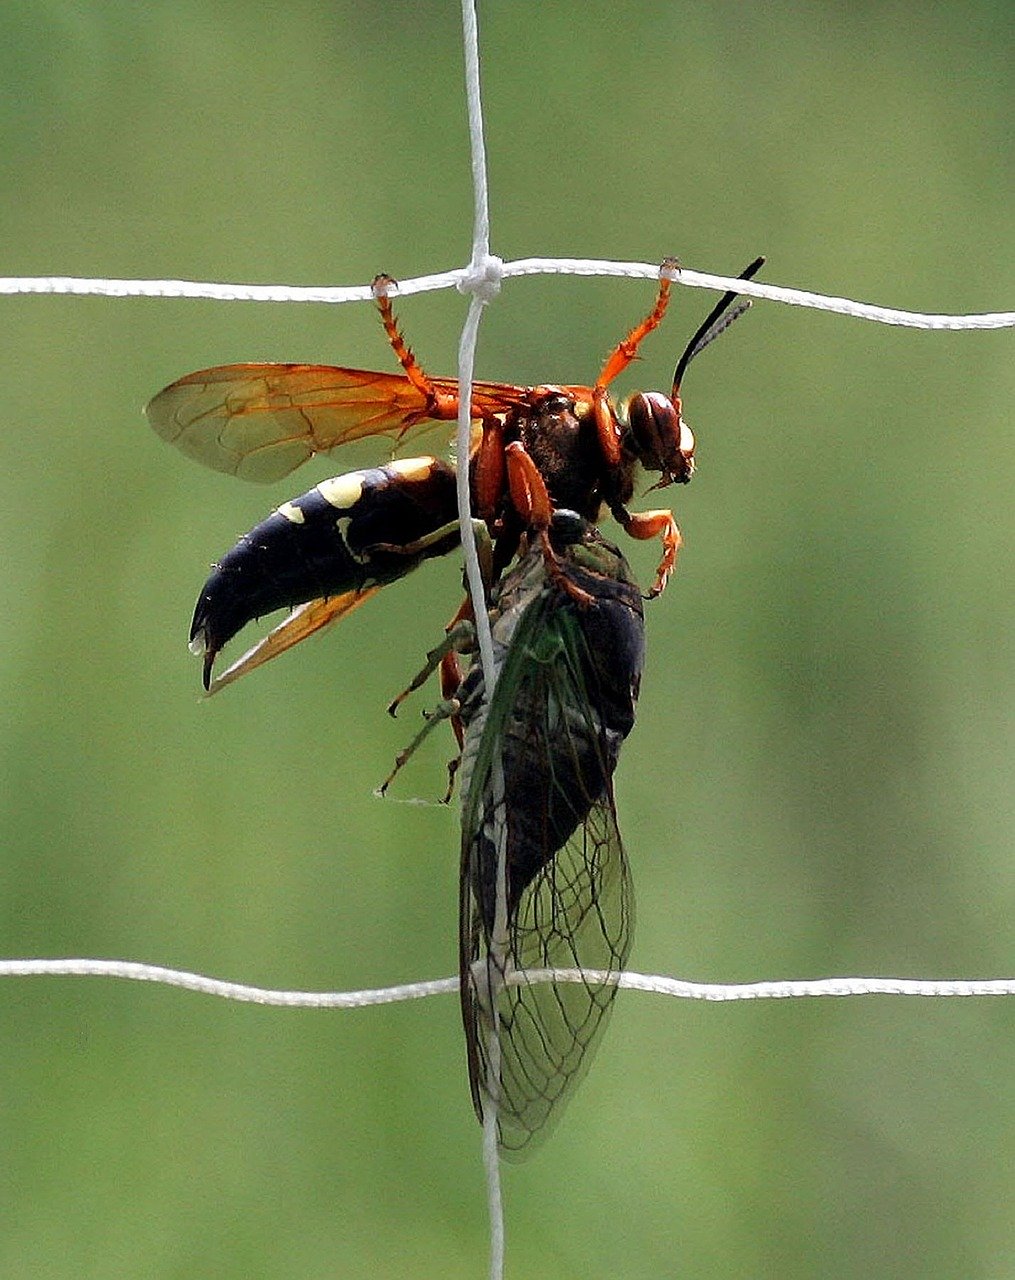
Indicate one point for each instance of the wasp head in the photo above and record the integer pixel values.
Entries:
(656, 434)
(658, 437)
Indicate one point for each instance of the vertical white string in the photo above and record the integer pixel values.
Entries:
(491, 1157)
(483, 282)
(474, 102)
(473, 572)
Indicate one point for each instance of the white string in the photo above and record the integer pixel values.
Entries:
(483, 281)
(473, 572)
(474, 277)
(135, 971)
(657, 984)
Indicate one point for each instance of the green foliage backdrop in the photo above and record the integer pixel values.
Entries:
(821, 778)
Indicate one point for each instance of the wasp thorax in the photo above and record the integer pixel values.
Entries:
(659, 438)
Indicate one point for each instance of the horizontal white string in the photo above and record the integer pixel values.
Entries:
(658, 984)
(138, 972)
(223, 292)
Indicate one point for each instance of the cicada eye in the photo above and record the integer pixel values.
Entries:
(566, 528)
(659, 437)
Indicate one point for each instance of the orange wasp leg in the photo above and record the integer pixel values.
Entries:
(488, 469)
(655, 524)
(531, 500)
(618, 360)
(442, 405)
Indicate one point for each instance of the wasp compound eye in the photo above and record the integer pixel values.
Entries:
(659, 438)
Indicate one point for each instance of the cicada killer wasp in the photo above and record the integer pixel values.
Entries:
(539, 750)
(326, 552)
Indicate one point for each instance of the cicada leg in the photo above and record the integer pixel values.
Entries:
(460, 638)
(443, 711)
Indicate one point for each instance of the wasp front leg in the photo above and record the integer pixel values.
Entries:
(627, 350)
(654, 524)
(603, 415)
(531, 500)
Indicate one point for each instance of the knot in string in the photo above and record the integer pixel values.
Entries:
(482, 277)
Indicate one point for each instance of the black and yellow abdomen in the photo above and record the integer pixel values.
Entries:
(355, 531)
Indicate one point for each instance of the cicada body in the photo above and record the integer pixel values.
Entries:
(537, 787)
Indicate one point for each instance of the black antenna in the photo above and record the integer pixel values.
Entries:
(718, 319)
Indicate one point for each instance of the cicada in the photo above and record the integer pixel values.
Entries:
(537, 792)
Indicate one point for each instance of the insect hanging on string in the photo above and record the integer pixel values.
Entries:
(538, 753)
(350, 535)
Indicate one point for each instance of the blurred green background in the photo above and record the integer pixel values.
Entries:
(821, 780)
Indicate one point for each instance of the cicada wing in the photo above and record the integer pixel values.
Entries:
(577, 915)
(542, 787)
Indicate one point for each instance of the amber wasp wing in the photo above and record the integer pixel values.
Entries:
(262, 421)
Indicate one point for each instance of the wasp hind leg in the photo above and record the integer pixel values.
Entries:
(442, 405)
